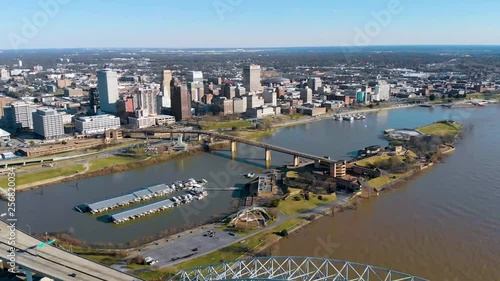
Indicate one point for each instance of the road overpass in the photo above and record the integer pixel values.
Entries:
(53, 262)
(235, 140)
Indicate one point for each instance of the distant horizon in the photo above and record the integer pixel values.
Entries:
(252, 48)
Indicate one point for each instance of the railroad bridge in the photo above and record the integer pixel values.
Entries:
(297, 155)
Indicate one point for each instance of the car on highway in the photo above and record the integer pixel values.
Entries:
(72, 275)
(153, 262)
(232, 233)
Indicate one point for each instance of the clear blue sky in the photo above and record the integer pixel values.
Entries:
(246, 23)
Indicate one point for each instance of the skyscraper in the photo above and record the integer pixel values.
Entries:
(251, 78)
(306, 95)
(147, 101)
(383, 90)
(19, 115)
(314, 83)
(195, 76)
(181, 102)
(166, 79)
(107, 85)
(94, 100)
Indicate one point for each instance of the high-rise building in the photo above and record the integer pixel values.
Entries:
(147, 101)
(195, 76)
(240, 91)
(107, 84)
(19, 116)
(314, 83)
(383, 90)
(197, 91)
(48, 123)
(251, 78)
(166, 79)
(229, 91)
(181, 102)
(94, 99)
(4, 74)
(96, 124)
(20, 63)
(240, 105)
(270, 97)
(306, 95)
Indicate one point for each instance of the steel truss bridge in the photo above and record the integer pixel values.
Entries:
(292, 268)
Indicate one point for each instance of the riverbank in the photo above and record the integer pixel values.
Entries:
(110, 165)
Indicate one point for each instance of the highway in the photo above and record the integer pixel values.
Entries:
(53, 262)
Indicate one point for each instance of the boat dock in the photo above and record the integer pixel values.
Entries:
(192, 195)
(142, 195)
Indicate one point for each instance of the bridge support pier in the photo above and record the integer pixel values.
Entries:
(234, 146)
(268, 158)
(317, 164)
(296, 160)
(29, 274)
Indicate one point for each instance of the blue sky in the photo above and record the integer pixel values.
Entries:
(246, 23)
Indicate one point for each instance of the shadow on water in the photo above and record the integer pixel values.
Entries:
(240, 160)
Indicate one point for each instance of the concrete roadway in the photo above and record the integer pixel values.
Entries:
(53, 262)
(180, 248)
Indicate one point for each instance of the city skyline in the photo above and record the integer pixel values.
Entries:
(45, 24)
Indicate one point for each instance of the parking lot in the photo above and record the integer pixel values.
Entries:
(188, 245)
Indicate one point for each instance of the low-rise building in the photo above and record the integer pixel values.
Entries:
(96, 124)
(142, 122)
(263, 111)
(164, 120)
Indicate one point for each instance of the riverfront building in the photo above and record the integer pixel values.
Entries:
(107, 85)
(96, 124)
(181, 102)
(306, 95)
(166, 79)
(19, 116)
(48, 123)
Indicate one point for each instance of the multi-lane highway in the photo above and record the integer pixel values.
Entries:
(53, 262)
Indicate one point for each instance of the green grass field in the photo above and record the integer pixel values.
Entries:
(292, 207)
(441, 129)
(101, 163)
(367, 162)
(44, 175)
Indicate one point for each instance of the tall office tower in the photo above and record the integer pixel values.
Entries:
(240, 91)
(48, 123)
(147, 101)
(270, 97)
(94, 99)
(4, 74)
(20, 63)
(107, 85)
(383, 90)
(181, 102)
(306, 95)
(19, 116)
(229, 91)
(166, 79)
(314, 83)
(195, 76)
(251, 78)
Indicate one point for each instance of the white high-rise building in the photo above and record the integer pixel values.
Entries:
(314, 83)
(195, 76)
(166, 79)
(19, 115)
(107, 85)
(4, 74)
(251, 78)
(20, 63)
(48, 123)
(383, 91)
(147, 101)
(96, 124)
